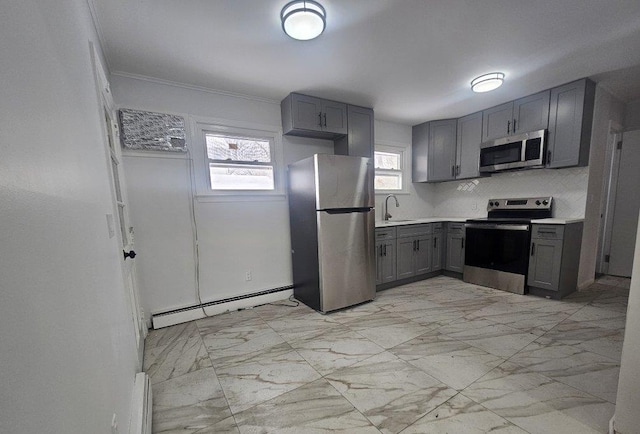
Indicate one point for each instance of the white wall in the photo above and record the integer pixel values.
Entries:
(234, 236)
(632, 116)
(67, 352)
(627, 417)
(469, 198)
(607, 108)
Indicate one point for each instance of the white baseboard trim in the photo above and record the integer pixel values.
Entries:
(586, 284)
(141, 405)
(611, 422)
(196, 312)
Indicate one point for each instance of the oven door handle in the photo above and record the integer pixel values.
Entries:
(501, 227)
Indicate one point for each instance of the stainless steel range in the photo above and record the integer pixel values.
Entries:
(497, 247)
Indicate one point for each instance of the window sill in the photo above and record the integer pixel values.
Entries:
(241, 197)
(386, 192)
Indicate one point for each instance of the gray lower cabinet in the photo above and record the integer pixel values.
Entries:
(438, 251)
(570, 118)
(414, 255)
(385, 255)
(359, 140)
(455, 247)
(308, 116)
(554, 260)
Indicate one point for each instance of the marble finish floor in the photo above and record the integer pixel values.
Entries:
(437, 356)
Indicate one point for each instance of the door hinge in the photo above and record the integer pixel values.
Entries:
(619, 145)
(607, 258)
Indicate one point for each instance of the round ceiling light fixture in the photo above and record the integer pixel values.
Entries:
(487, 82)
(303, 19)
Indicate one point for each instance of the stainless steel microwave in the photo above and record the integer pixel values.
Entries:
(525, 150)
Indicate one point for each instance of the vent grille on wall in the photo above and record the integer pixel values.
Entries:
(142, 130)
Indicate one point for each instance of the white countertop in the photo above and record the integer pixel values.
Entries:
(403, 222)
(557, 221)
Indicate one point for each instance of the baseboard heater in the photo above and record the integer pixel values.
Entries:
(185, 314)
(141, 405)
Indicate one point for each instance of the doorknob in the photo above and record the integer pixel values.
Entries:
(131, 254)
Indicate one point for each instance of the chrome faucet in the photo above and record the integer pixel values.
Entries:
(387, 216)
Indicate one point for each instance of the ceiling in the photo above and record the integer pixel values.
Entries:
(411, 60)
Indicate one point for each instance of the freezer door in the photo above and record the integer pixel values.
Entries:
(346, 251)
(343, 182)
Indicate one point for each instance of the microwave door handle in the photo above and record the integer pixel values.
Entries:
(508, 127)
(514, 125)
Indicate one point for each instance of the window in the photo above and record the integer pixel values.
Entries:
(239, 163)
(389, 164)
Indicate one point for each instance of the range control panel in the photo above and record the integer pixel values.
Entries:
(524, 203)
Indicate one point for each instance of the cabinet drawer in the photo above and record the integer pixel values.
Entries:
(548, 232)
(455, 228)
(437, 227)
(413, 230)
(385, 234)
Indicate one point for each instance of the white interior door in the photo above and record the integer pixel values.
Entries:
(626, 207)
(119, 221)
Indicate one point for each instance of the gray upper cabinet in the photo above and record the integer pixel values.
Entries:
(469, 138)
(359, 140)
(420, 153)
(531, 113)
(570, 118)
(442, 150)
(307, 116)
(526, 114)
(434, 151)
(496, 122)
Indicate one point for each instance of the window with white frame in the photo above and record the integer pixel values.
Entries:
(239, 162)
(389, 165)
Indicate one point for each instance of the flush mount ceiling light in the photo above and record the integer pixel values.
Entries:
(487, 82)
(303, 19)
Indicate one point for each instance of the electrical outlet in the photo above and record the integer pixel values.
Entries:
(474, 205)
(114, 424)
(247, 276)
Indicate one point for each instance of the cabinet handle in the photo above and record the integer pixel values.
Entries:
(435, 243)
(458, 169)
(414, 245)
(385, 250)
(533, 248)
(320, 118)
(325, 119)
(453, 171)
(462, 243)
(381, 251)
(417, 244)
(508, 127)
(514, 125)
(548, 157)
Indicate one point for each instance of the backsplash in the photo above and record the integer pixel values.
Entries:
(567, 186)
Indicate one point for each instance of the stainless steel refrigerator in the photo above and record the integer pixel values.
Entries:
(331, 200)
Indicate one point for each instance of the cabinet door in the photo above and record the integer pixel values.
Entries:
(531, 113)
(455, 252)
(442, 150)
(379, 263)
(544, 264)
(497, 122)
(423, 254)
(405, 248)
(436, 257)
(334, 117)
(306, 112)
(388, 261)
(360, 135)
(569, 125)
(420, 153)
(469, 138)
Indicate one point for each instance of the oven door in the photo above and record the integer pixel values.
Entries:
(497, 255)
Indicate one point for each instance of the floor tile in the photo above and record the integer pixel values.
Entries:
(297, 326)
(347, 315)
(168, 335)
(387, 329)
(497, 339)
(191, 403)
(390, 392)
(539, 404)
(177, 358)
(451, 361)
(313, 408)
(216, 323)
(586, 371)
(462, 415)
(263, 377)
(336, 348)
